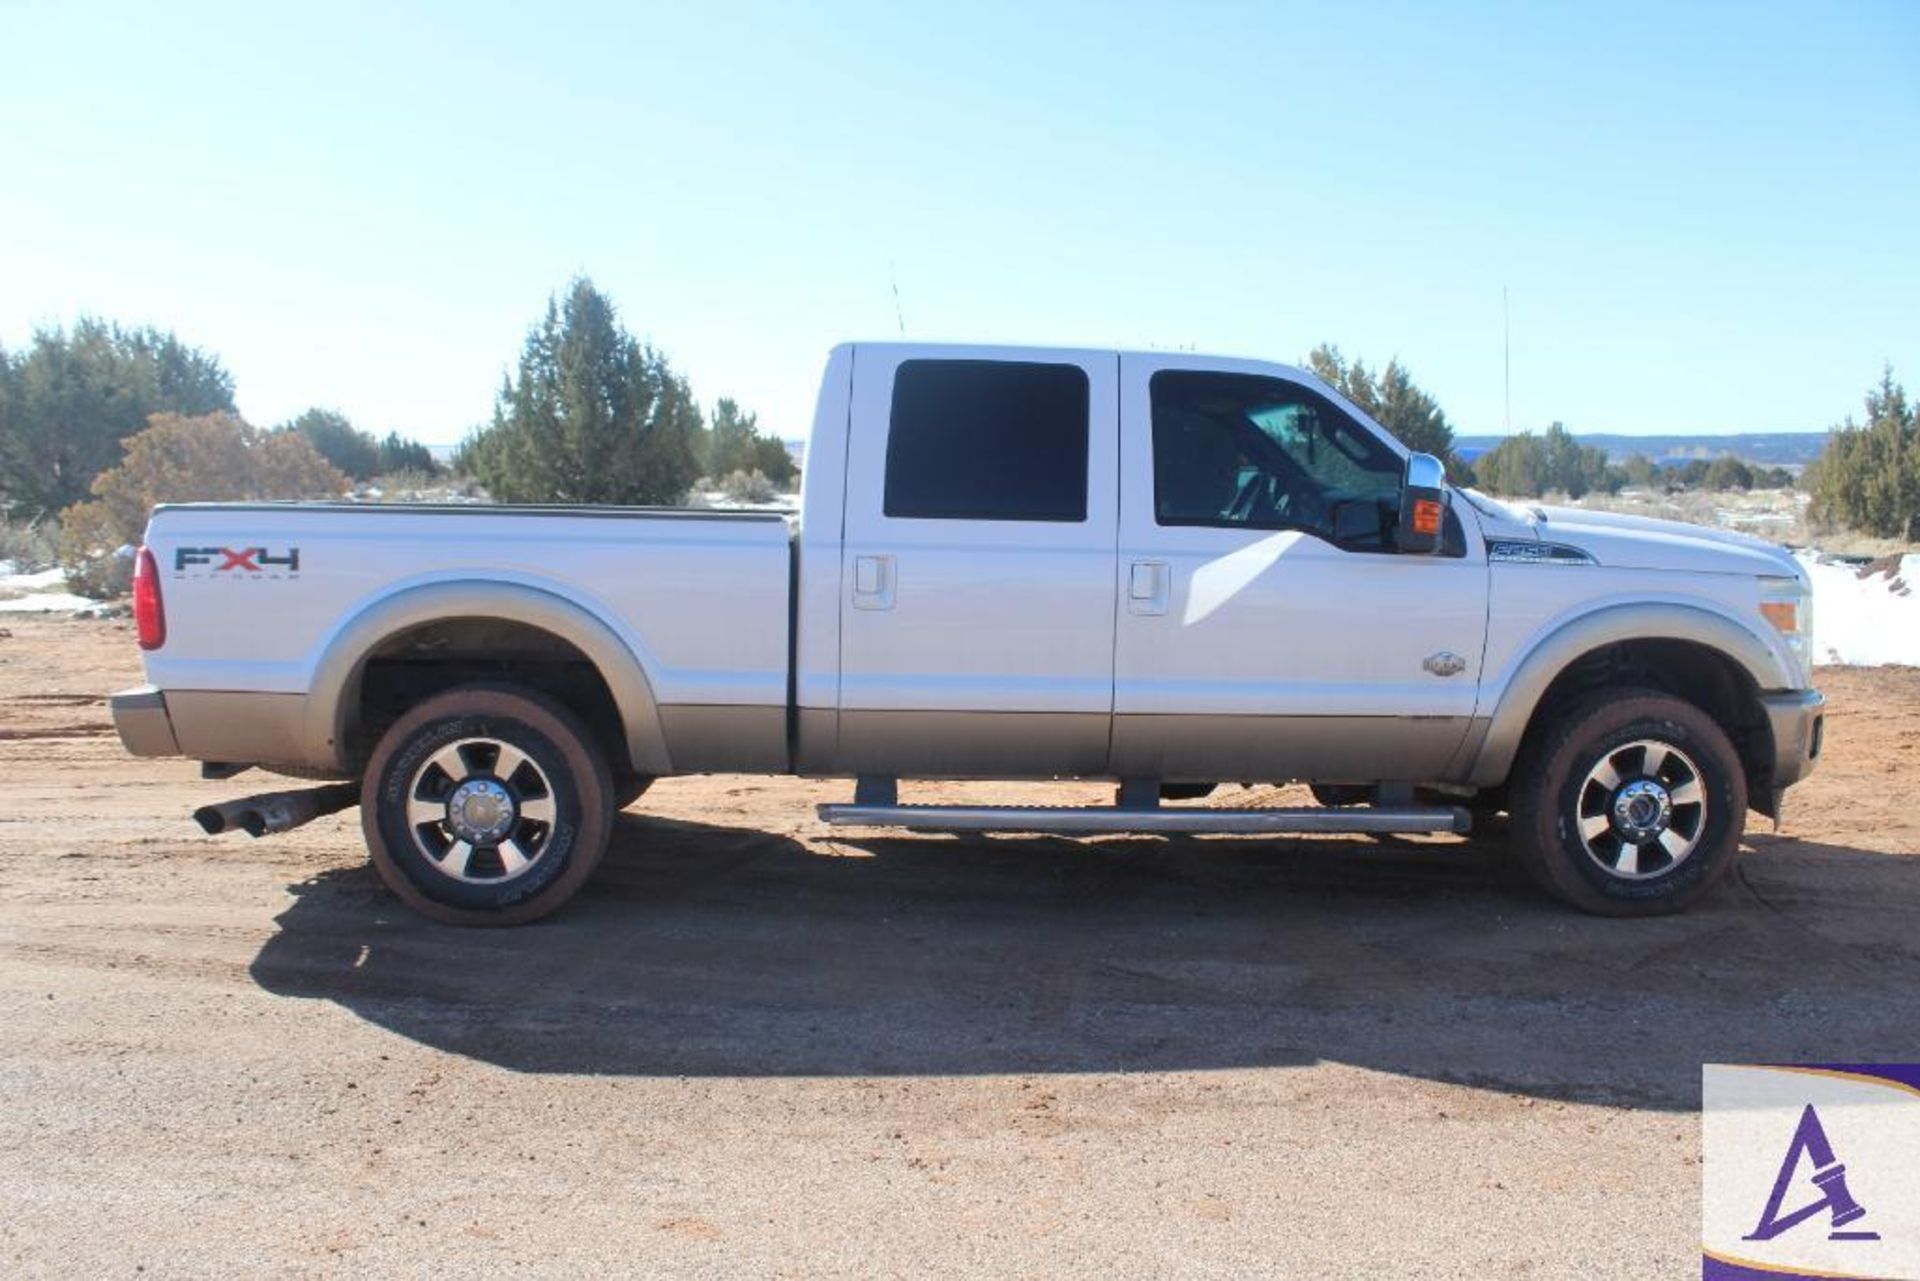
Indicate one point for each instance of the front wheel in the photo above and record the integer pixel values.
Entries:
(486, 805)
(1631, 804)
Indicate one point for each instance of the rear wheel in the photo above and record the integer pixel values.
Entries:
(1631, 804)
(486, 805)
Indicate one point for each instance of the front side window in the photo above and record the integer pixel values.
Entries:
(1247, 451)
(987, 440)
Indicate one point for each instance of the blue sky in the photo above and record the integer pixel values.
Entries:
(1708, 216)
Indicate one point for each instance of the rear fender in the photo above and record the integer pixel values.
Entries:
(333, 691)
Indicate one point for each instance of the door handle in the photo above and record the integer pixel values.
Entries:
(873, 582)
(1149, 584)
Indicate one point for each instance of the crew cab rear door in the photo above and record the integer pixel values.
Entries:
(1269, 629)
(977, 589)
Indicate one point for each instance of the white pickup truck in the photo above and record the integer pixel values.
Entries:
(1168, 570)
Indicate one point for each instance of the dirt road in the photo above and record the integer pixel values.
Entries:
(754, 1047)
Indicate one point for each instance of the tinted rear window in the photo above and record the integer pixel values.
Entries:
(988, 440)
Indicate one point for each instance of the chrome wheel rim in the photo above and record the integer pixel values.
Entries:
(1641, 810)
(481, 811)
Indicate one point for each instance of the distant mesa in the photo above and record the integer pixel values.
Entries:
(1793, 449)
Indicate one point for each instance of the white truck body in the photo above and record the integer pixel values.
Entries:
(689, 610)
(1250, 635)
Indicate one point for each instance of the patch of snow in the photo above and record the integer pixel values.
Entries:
(44, 592)
(717, 500)
(42, 581)
(46, 603)
(1865, 615)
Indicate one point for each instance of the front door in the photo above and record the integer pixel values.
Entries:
(977, 600)
(1268, 629)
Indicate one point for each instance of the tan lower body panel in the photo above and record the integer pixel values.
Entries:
(718, 739)
(251, 727)
(817, 751)
(1249, 749)
(972, 744)
(1196, 748)
(272, 729)
(140, 718)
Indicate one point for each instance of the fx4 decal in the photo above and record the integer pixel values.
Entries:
(221, 560)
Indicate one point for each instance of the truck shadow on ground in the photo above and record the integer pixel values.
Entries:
(705, 950)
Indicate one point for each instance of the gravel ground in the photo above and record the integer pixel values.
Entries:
(755, 1046)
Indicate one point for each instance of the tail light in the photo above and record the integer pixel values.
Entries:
(149, 615)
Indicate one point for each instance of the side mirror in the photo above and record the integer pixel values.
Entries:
(1423, 505)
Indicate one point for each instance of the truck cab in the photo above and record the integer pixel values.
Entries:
(1140, 565)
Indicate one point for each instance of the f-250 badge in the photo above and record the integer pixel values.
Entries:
(1445, 663)
(196, 562)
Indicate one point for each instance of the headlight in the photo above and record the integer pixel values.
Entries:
(1789, 607)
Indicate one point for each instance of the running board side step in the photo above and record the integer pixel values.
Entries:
(1090, 820)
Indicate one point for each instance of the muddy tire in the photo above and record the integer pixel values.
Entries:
(1632, 803)
(486, 805)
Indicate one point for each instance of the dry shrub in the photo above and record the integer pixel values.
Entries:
(748, 487)
(30, 546)
(216, 458)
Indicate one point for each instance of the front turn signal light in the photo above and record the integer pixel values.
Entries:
(1790, 611)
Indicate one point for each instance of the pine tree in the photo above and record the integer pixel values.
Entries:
(1868, 476)
(1530, 466)
(1392, 399)
(400, 454)
(1728, 472)
(734, 444)
(592, 416)
(353, 451)
(71, 398)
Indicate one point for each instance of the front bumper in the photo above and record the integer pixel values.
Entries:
(140, 716)
(1798, 720)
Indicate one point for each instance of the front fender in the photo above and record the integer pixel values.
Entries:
(1490, 760)
(337, 675)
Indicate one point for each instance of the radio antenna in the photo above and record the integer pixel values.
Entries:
(899, 315)
(1506, 356)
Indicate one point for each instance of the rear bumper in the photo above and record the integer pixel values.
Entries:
(1798, 720)
(244, 727)
(145, 728)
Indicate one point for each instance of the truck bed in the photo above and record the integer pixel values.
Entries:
(260, 598)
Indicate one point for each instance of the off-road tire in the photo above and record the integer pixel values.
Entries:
(572, 775)
(1552, 787)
